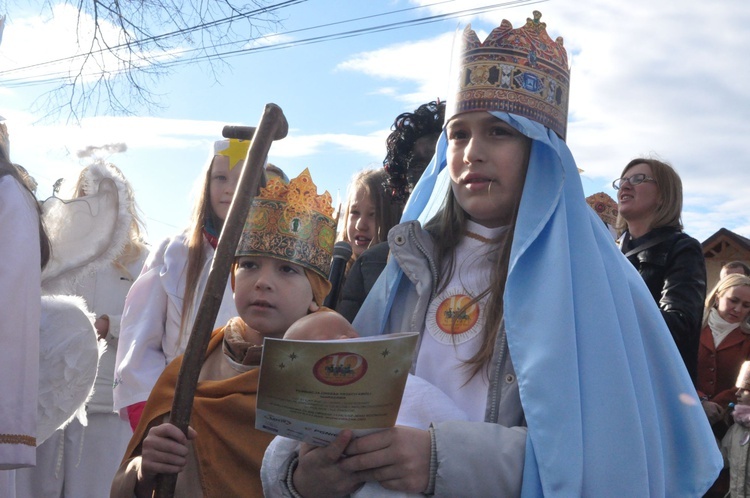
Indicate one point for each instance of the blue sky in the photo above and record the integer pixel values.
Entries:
(665, 78)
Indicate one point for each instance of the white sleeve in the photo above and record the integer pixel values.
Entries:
(140, 357)
(20, 308)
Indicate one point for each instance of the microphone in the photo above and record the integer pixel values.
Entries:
(239, 132)
(342, 251)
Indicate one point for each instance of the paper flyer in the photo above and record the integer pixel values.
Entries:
(311, 390)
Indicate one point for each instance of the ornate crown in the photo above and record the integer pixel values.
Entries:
(520, 71)
(605, 206)
(291, 222)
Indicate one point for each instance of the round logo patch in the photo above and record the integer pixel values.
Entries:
(340, 369)
(451, 319)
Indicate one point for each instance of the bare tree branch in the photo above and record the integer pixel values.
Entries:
(124, 47)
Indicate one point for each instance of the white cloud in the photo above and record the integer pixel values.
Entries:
(664, 78)
(62, 37)
(307, 145)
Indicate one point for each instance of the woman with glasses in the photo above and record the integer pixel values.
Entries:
(649, 193)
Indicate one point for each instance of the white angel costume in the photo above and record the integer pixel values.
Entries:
(20, 276)
(150, 335)
(87, 234)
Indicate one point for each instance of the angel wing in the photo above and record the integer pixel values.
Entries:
(68, 357)
(87, 232)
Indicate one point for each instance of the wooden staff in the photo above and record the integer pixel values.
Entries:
(273, 126)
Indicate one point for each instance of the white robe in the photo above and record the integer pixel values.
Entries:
(82, 461)
(20, 302)
(150, 328)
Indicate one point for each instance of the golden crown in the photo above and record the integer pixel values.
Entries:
(519, 71)
(604, 206)
(291, 222)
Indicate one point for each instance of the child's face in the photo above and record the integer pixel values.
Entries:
(743, 397)
(222, 184)
(487, 160)
(360, 226)
(271, 294)
(734, 304)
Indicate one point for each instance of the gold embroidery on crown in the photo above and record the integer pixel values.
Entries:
(291, 222)
(520, 71)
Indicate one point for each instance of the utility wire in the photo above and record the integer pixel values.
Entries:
(145, 41)
(55, 76)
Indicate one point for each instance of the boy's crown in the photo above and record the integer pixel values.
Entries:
(519, 71)
(291, 222)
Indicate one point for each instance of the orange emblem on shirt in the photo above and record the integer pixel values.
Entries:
(454, 317)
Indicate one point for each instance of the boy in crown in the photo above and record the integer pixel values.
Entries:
(279, 276)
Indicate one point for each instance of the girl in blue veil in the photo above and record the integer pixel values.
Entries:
(529, 316)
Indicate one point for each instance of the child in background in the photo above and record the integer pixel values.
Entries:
(279, 276)
(734, 444)
(530, 319)
(161, 305)
(410, 146)
(369, 212)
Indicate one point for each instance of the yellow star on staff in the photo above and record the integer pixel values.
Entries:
(236, 151)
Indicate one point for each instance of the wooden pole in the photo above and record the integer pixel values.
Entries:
(272, 126)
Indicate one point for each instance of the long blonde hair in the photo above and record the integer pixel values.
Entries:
(202, 212)
(135, 245)
(726, 283)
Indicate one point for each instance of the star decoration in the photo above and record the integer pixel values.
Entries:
(385, 353)
(282, 366)
(293, 356)
(236, 152)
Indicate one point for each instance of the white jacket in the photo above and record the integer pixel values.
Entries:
(150, 328)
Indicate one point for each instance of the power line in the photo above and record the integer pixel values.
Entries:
(52, 77)
(145, 41)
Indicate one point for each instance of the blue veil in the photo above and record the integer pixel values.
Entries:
(609, 405)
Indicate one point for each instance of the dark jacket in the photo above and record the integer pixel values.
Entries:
(360, 279)
(672, 265)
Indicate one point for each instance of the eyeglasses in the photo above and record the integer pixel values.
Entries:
(634, 180)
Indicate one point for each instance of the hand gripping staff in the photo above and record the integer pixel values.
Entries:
(272, 126)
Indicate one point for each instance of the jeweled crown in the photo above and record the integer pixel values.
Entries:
(291, 222)
(519, 71)
(604, 206)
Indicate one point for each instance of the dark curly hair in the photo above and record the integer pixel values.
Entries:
(403, 163)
